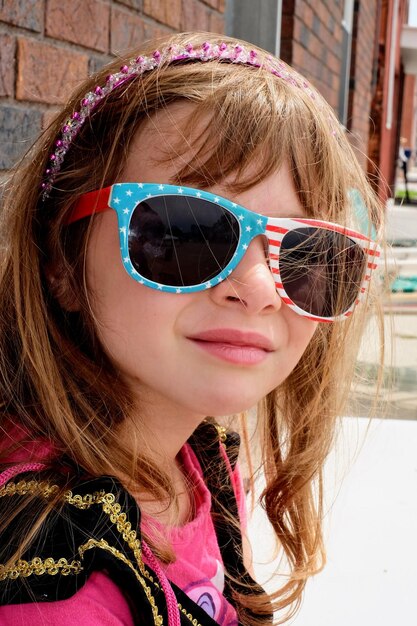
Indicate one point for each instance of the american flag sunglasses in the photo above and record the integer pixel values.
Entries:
(181, 240)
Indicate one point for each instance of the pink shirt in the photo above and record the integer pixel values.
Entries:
(198, 571)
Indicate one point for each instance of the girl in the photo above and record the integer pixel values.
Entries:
(178, 245)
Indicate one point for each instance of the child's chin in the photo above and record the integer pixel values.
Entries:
(230, 406)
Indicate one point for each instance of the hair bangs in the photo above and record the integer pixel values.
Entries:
(248, 125)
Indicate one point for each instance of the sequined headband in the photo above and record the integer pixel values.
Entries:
(233, 53)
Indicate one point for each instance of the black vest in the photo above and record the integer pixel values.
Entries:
(98, 529)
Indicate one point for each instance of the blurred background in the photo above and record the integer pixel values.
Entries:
(362, 55)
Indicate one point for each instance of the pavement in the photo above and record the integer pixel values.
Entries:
(370, 479)
(369, 527)
(398, 397)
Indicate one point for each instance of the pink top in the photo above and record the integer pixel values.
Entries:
(198, 571)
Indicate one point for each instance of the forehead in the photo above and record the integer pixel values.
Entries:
(164, 142)
(154, 157)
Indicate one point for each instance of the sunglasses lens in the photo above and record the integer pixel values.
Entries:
(321, 270)
(181, 241)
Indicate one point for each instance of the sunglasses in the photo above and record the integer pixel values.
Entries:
(182, 240)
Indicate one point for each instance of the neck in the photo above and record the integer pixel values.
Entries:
(160, 434)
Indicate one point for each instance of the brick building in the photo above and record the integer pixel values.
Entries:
(351, 52)
(348, 49)
(48, 46)
(409, 104)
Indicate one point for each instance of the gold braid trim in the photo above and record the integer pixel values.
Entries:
(113, 510)
(190, 617)
(222, 433)
(103, 545)
(23, 487)
(39, 566)
(106, 500)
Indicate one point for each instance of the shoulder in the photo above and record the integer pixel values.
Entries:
(89, 528)
(99, 602)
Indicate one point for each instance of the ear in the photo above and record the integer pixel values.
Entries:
(62, 288)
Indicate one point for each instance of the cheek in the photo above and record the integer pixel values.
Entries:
(302, 332)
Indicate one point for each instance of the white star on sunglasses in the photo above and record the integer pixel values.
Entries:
(284, 237)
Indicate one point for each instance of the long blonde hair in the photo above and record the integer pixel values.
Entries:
(57, 381)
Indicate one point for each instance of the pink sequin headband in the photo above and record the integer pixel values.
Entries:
(233, 53)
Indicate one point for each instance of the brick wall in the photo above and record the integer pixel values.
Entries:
(383, 140)
(362, 75)
(48, 46)
(409, 111)
(311, 41)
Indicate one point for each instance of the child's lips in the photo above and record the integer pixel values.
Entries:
(234, 346)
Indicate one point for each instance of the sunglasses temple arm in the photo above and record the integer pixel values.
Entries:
(89, 204)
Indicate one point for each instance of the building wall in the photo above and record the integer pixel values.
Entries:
(48, 46)
(384, 139)
(409, 111)
(363, 75)
(311, 41)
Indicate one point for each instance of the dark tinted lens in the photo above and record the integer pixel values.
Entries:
(181, 241)
(321, 270)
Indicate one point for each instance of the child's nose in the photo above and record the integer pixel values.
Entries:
(251, 284)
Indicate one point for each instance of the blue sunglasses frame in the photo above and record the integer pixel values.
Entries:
(124, 198)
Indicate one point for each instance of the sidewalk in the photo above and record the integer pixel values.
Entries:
(399, 389)
(399, 385)
(371, 486)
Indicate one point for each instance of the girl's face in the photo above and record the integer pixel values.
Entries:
(214, 352)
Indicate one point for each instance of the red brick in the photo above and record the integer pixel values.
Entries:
(221, 5)
(194, 16)
(7, 65)
(315, 46)
(25, 13)
(322, 11)
(127, 31)
(85, 22)
(307, 16)
(297, 57)
(333, 63)
(97, 62)
(47, 73)
(155, 31)
(166, 11)
(133, 4)
(211, 3)
(216, 23)
(187, 16)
